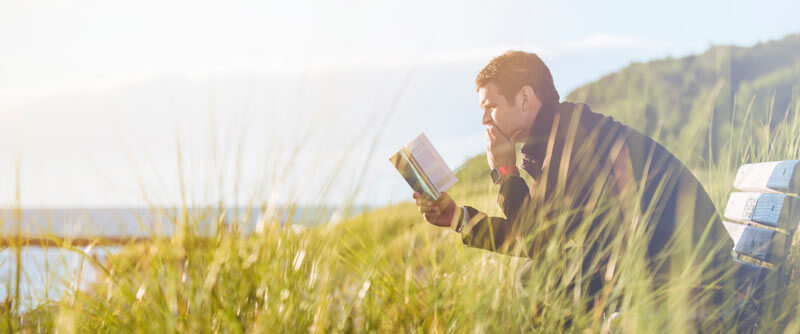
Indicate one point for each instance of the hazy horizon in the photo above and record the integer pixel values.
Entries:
(98, 98)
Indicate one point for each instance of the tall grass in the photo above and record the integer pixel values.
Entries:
(389, 271)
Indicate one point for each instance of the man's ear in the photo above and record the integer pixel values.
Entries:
(527, 97)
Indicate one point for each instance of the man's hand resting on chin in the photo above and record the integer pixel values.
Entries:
(439, 212)
(500, 150)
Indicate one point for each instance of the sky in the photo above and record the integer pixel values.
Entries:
(120, 103)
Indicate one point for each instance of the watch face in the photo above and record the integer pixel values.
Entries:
(495, 174)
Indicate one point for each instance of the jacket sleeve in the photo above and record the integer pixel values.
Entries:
(500, 234)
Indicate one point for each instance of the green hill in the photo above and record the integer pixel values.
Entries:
(663, 98)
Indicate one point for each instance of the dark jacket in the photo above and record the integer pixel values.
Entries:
(576, 201)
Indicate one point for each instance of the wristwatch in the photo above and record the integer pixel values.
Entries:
(499, 172)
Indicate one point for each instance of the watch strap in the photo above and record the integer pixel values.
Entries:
(506, 170)
(498, 173)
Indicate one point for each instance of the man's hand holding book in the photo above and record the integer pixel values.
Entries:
(439, 212)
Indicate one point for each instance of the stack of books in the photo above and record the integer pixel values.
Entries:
(762, 218)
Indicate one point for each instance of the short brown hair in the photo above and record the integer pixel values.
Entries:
(513, 70)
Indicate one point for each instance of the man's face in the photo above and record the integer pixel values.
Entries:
(507, 116)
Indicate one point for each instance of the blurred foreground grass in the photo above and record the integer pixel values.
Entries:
(389, 271)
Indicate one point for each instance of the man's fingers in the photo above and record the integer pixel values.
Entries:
(428, 208)
(499, 144)
(492, 132)
(422, 202)
(496, 135)
(432, 210)
(443, 202)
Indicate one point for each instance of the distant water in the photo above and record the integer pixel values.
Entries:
(57, 269)
(142, 222)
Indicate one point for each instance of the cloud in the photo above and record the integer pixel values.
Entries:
(354, 60)
(603, 41)
(482, 54)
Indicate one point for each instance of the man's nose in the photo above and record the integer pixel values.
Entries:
(486, 118)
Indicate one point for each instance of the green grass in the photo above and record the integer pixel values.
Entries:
(388, 271)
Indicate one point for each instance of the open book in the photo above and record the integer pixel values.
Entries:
(423, 168)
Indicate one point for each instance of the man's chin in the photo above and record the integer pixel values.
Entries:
(519, 136)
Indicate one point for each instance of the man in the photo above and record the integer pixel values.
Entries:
(596, 184)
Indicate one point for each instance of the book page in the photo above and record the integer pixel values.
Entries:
(431, 163)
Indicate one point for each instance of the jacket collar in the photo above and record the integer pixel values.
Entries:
(535, 146)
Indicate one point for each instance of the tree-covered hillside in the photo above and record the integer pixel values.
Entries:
(664, 98)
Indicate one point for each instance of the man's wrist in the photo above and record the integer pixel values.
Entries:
(501, 173)
(461, 220)
(455, 218)
(506, 170)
